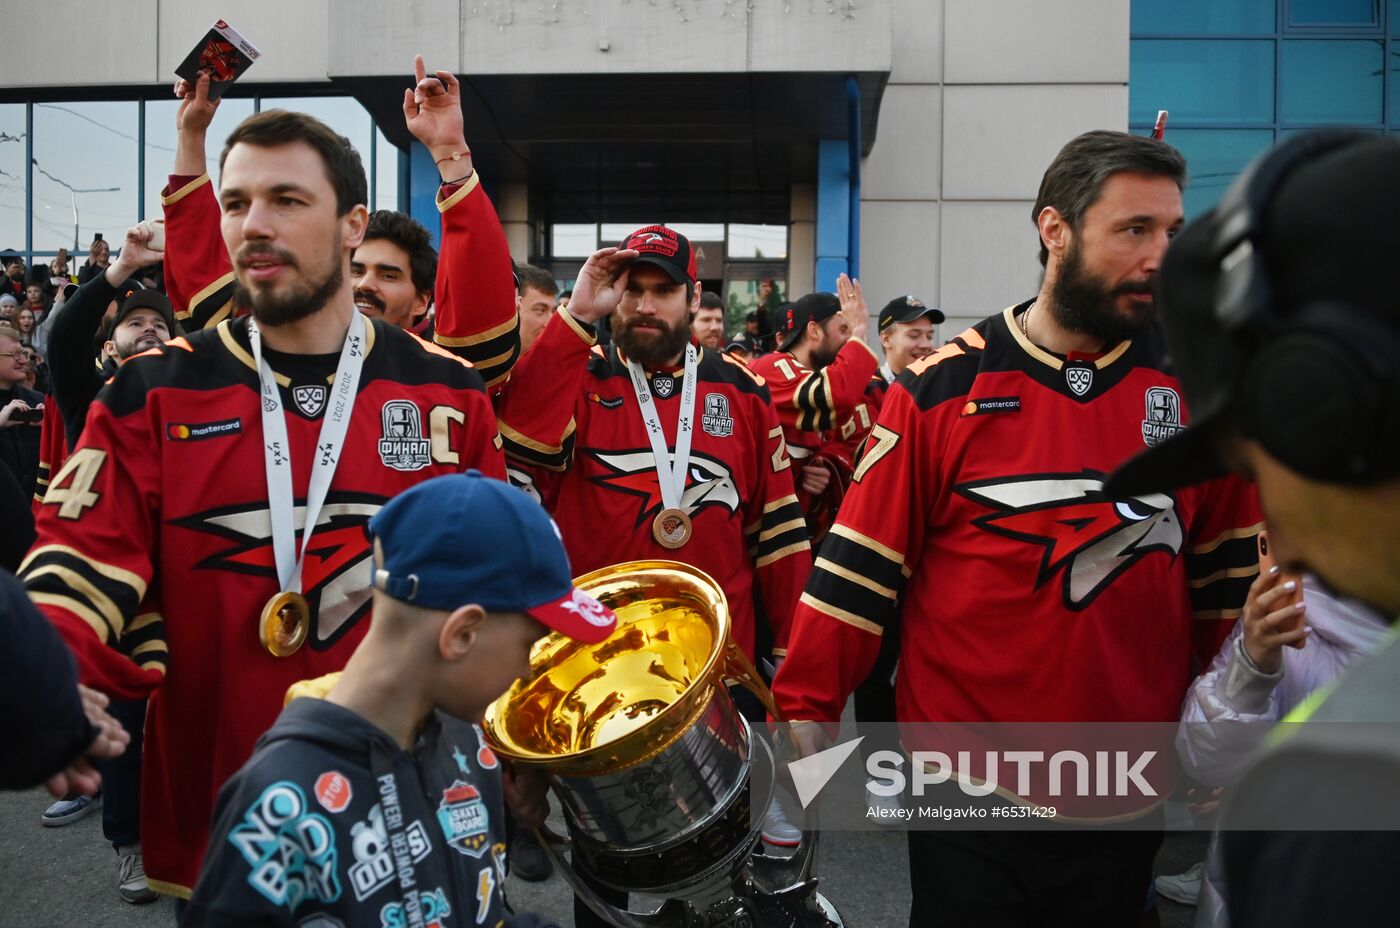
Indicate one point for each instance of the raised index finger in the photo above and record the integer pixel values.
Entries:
(419, 71)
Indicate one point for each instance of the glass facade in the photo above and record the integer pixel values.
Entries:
(71, 170)
(1238, 76)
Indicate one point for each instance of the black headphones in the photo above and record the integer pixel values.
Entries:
(1321, 388)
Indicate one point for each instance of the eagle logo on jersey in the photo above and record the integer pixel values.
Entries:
(1088, 537)
(337, 561)
(709, 482)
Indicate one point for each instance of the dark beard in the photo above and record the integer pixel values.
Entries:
(301, 302)
(1084, 304)
(649, 350)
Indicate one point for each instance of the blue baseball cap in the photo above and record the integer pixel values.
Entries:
(467, 538)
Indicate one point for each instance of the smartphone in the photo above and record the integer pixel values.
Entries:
(1266, 563)
(96, 237)
(27, 415)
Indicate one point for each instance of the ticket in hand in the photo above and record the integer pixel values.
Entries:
(223, 54)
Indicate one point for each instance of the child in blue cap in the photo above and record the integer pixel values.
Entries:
(381, 804)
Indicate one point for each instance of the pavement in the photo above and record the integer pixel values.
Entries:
(67, 877)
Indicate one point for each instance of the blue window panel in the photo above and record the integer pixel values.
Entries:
(1330, 82)
(1203, 17)
(1334, 12)
(1393, 20)
(1393, 77)
(1212, 81)
(1214, 158)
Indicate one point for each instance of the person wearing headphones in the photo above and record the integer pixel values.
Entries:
(1282, 309)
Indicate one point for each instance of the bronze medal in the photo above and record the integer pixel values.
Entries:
(286, 620)
(671, 528)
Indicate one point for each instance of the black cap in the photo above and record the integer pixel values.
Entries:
(1331, 233)
(814, 307)
(907, 309)
(133, 297)
(665, 248)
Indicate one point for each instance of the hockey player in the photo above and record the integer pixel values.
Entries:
(818, 377)
(1026, 593)
(224, 482)
(474, 276)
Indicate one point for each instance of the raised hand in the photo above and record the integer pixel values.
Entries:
(432, 110)
(135, 254)
(600, 284)
(196, 109)
(853, 308)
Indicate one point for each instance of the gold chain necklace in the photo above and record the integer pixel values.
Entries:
(1025, 320)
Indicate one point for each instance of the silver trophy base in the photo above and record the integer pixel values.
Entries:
(742, 889)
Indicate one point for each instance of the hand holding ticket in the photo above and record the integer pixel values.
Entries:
(223, 54)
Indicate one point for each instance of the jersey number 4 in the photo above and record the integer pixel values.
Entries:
(80, 472)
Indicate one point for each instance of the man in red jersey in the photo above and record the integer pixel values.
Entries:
(1027, 594)
(214, 586)
(392, 270)
(818, 377)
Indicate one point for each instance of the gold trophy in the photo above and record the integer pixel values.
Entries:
(662, 783)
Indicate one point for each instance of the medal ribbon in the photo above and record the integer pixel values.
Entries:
(671, 475)
(277, 451)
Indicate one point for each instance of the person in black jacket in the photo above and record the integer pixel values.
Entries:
(140, 320)
(21, 412)
(380, 804)
(49, 723)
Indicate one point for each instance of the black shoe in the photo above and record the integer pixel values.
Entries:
(528, 860)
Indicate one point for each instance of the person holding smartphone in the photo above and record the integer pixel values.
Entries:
(21, 411)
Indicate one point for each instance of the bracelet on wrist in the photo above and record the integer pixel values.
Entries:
(458, 180)
(456, 156)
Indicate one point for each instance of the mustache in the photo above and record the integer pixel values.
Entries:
(373, 299)
(1136, 286)
(256, 252)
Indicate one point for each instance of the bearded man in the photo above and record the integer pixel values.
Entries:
(1025, 593)
(205, 543)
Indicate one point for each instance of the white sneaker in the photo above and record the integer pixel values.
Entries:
(884, 809)
(131, 877)
(1182, 887)
(777, 830)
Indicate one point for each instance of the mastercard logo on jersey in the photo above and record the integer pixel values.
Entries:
(179, 431)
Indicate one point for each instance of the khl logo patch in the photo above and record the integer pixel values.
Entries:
(1080, 379)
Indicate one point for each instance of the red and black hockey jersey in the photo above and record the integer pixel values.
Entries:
(1026, 593)
(164, 506)
(474, 297)
(819, 412)
(570, 416)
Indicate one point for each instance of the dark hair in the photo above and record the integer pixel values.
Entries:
(410, 235)
(273, 128)
(537, 277)
(711, 300)
(1076, 177)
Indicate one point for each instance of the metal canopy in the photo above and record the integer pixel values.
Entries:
(690, 147)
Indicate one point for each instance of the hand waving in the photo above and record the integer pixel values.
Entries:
(432, 109)
(853, 308)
